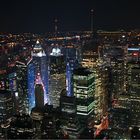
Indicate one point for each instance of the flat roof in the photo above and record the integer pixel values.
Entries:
(82, 71)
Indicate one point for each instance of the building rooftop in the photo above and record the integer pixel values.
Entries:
(3, 92)
(82, 71)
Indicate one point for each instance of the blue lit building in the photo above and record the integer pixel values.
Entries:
(37, 66)
(17, 84)
(16, 95)
(69, 83)
(31, 83)
(71, 65)
(72, 59)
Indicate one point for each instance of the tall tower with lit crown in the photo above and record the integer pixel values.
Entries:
(56, 76)
(39, 72)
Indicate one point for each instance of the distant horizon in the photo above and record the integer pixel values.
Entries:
(39, 15)
(95, 30)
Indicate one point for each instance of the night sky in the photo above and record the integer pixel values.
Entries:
(39, 15)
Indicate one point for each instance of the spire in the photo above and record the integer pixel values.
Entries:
(56, 27)
(38, 79)
(92, 19)
(37, 42)
(38, 50)
(38, 45)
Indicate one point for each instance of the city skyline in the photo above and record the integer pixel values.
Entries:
(69, 69)
(38, 16)
(70, 86)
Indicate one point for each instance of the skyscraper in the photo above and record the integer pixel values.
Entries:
(18, 89)
(69, 81)
(133, 92)
(6, 105)
(56, 76)
(38, 65)
(49, 123)
(101, 89)
(84, 88)
(31, 85)
(72, 59)
(70, 124)
(39, 96)
(22, 85)
(6, 112)
(116, 60)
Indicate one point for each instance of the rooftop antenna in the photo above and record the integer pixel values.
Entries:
(37, 42)
(55, 26)
(91, 12)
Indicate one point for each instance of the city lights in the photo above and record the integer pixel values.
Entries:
(70, 70)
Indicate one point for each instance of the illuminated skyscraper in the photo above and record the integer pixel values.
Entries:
(72, 58)
(101, 90)
(22, 83)
(56, 77)
(37, 66)
(125, 114)
(132, 65)
(6, 105)
(69, 77)
(84, 90)
(115, 56)
(133, 92)
(31, 84)
(6, 112)
(18, 86)
(92, 61)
